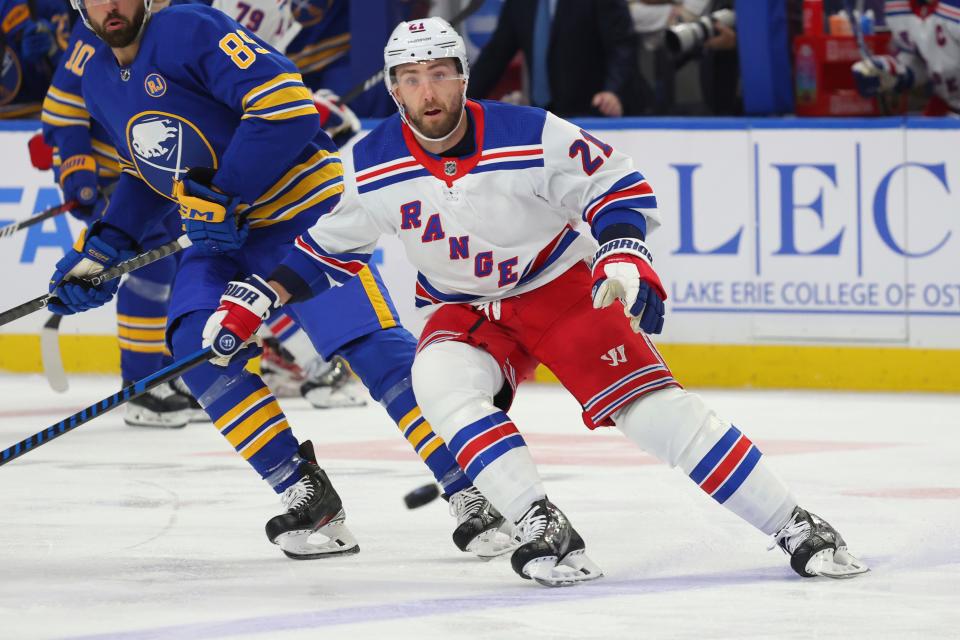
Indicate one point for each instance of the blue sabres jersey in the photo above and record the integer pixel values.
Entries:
(67, 126)
(202, 92)
(324, 36)
(22, 83)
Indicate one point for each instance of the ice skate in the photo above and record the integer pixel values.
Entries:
(197, 413)
(330, 385)
(160, 407)
(551, 551)
(815, 548)
(481, 530)
(314, 524)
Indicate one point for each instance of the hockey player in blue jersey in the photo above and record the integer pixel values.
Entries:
(205, 115)
(86, 166)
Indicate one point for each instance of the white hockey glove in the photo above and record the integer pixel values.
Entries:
(336, 118)
(244, 306)
(881, 74)
(623, 269)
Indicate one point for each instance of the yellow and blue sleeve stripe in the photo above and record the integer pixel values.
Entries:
(304, 185)
(318, 55)
(62, 109)
(282, 97)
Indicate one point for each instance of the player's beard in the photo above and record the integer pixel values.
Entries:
(120, 38)
(434, 127)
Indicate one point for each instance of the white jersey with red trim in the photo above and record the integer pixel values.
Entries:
(493, 224)
(927, 37)
(270, 20)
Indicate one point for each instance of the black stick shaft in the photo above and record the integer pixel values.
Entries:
(11, 229)
(113, 272)
(112, 402)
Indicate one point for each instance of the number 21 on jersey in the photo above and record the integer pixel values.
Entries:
(590, 162)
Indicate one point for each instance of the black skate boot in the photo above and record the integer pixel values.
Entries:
(815, 548)
(313, 507)
(160, 407)
(551, 551)
(197, 414)
(481, 530)
(330, 385)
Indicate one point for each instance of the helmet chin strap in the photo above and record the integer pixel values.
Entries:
(417, 132)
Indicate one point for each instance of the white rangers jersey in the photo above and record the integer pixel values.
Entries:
(270, 20)
(927, 37)
(489, 225)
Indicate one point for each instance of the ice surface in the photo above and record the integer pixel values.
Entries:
(119, 532)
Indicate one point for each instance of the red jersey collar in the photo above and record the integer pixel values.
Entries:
(924, 9)
(448, 169)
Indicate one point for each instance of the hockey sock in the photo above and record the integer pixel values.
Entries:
(242, 409)
(678, 428)
(455, 384)
(495, 456)
(382, 361)
(142, 319)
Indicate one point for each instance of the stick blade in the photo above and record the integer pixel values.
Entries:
(50, 355)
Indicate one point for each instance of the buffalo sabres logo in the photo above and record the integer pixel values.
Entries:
(164, 146)
(155, 85)
(450, 167)
(309, 13)
(11, 75)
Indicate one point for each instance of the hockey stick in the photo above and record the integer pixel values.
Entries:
(376, 78)
(126, 266)
(11, 229)
(854, 13)
(50, 354)
(112, 402)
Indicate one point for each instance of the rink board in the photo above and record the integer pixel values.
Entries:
(796, 253)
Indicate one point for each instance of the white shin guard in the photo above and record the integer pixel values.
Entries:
(455, 384)
(677, 427)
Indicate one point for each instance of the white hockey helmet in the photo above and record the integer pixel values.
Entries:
(420, 40)
(81, 8)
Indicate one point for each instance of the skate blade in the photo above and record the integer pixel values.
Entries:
(836, 564)
(323, 399)
(152, 420)
(332, 539)
(491, 544)
(575, 568)
(199, 415)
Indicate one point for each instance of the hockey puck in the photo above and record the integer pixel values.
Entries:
(421, 496)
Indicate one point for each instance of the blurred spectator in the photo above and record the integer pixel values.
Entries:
(580, 56)
(340, 44)
(29, 51)
(715, 55)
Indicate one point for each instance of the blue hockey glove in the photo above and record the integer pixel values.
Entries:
(38, 41)
(880, 74)
(78, 181)
(209, 217)
(96, 249)
(623, 268)
(244, 306)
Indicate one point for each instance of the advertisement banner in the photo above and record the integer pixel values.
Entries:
(775, 232)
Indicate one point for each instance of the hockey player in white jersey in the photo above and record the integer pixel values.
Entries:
(485, 196)
(926, 36)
